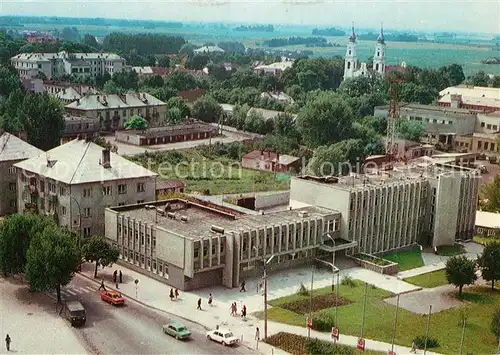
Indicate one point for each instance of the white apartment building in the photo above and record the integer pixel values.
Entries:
(431, 204)
(54, 65)
(76, 181)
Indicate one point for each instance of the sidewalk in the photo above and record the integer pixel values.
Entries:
(156, 294)
(421, 270)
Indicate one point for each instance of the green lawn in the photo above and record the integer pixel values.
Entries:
(406, 259)
(450, 250)
(429, 280)
(484, 240)
(379, 319)
(209, 174)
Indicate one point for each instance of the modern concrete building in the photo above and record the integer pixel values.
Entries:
(484, 99)
(54, 65)
(487, 224)
(195, 244)
(274, 69)
(481, 143)
(111, 111)
(76, 181)
(416, 203)
(12, 151)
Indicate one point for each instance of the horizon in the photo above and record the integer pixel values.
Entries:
(397, 15)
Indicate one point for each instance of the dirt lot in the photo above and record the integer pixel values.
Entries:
(319, 303)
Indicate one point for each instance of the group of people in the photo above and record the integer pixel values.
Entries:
(234, 310)
(116, 276)
(174, 294)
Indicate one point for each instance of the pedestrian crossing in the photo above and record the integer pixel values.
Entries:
(74, 292)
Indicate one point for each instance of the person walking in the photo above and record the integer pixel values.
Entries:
(116, 285)
(102, 286)
(235, 309)
(232, 309)
(176, 293)
(257, 334)
(413, 348)
(244, 312)
(114, 276)
(121, 277)
(243, 289)
(199, 304)
(172, 294)
(210, 299)
(7, 342)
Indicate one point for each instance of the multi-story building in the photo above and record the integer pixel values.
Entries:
(111, 111)
(384, 210)
(76, 181)
(75, 126)
(471, 97)
(195, 244)
(12, 151)
(274, 69)
(54, 65)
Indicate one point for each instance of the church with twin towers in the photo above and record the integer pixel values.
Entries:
(351, 68)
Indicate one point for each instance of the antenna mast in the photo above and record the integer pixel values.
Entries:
(392, 118)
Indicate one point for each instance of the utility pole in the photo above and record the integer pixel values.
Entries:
(364, 309)
(265, 302)
(337, 298)
(463, 336)
(311, 301)
(395, 324)
(427, 329)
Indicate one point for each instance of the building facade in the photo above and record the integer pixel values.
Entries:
(76, 181)
(390, 210)
(487, 224)
(54, 65)
(12, 150)
(75, 126)
(270, 161)
(484, 99)
(112, 111)
(194, 245)
(273, 69)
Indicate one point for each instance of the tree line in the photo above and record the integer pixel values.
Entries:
(254, 28)
(142, 44)
(47, 254)
(295, 41)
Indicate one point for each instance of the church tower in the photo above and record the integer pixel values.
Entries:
(351, 58)
(379, 55)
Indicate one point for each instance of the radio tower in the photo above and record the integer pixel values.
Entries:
(392, 118)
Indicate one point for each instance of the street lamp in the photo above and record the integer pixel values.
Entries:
(333, 259)
(265, 289)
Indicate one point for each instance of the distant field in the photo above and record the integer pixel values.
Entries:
(430, 55)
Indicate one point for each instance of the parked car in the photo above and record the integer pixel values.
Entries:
(113, 297)
(75, 313)
(177, 330)
(224, 337)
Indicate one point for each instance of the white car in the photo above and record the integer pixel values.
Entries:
(224, 337)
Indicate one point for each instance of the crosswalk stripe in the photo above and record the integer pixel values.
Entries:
(71, 292)
(90, 288)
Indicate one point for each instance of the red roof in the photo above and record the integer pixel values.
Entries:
(170, 184)
(257, 154)
(399, 68)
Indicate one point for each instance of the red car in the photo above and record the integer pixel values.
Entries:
(113, 297)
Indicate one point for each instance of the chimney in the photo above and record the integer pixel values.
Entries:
(455, 101)
(106, 159)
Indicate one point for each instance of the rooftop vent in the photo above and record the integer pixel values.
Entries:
(171, 215)
(184, 218)
(149, 207)
(217, 229)
(106, 158)
(303, 214)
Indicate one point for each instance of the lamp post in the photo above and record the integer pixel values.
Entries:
(265, 288)
(333, 259)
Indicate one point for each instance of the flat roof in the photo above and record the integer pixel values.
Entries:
(200, 219)
(487, 219)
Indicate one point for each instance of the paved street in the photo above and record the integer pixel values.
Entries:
(134, 329)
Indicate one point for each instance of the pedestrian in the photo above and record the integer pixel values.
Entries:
(235, 309)
(244, 312)
(171, 294)
(413, 348)
(232, 309)
(243, 289)
(176, 293)
(257, 334)
(7, 342)
(121, 277)
(114, 276)
(210, 299)
(102, 286)
(199, 304)
(116, 284)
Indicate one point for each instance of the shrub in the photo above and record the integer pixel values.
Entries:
(323, 321)
(420, 342)
(348, 281)
(318, 347)
(303, 291)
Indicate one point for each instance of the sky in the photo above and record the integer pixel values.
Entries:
(446, 15)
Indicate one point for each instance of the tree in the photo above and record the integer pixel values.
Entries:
(479, 79)
(187, 49)
(245, 78)
(207, 109)
(9, 81)
(410, 130)
(128, 80)
(111, 88)
(174, 115)
(97, 250)
(15, 236)
(489, 262)
(197, 62)
(324, 120)
(176, 102)
(155, 81)
(491, 193)
(90, 41)
(180, 81)
(455, 73)
(164, 62)
(336, 159)
(495, 323)
(460, 271)
(52, 259)
(164, 93)
(136, 123)
(495, 81)
(43, 120)
(284, 125)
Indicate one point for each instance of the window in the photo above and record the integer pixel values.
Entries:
(121, 204)
(494, 127)
(12, 203)
(140, 187)
(62, 190)
(122, 189)
(12, 170)
(86, 232)
(205, 251)
(140, 201)
(196, 253)
(63, 210)
(87, 212)
(142, 238)
(86, 192)
(12, 186)
(106, 190)
(154, 242)
(52, 187)
(214, 249)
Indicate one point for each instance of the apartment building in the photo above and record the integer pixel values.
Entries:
(111, 111)
(12, 151)
(76, 181)
(54, 65)
(195, 244)
(75, 126)
(417, 203)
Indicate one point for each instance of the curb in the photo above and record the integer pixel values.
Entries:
(156, 308)
(410, 291)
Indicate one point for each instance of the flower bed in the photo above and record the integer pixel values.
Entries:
(375, 263)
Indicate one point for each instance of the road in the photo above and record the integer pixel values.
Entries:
(134, 328)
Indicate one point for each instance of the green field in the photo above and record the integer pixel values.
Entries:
(429, 280)
(406, 259)
(379, 319)
(424, 54)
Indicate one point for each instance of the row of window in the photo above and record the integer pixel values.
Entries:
(141, 238)
(156, 266)
(429, 120)
(490, 126)
(205, 251)
(392, 194)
